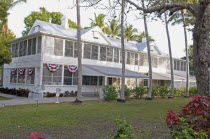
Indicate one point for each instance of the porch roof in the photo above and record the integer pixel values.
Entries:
(110, 71)
(167, 76)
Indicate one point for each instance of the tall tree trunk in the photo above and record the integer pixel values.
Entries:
(187, 57)
(122, 93)
(79, 86)
(149, 95)
(171, 59)
(201, 50)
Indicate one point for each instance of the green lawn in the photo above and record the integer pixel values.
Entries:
(92, 119)
(4, 98)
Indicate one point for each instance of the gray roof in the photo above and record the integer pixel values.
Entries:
(72, 33)
(111, 71)
(167, 76)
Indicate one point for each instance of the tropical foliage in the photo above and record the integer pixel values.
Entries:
(193, 121)
(44, 15)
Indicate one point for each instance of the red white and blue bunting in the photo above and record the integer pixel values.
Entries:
(53, 67)
(13, 71)
(21, 71)
(72, 68)
(30, 71)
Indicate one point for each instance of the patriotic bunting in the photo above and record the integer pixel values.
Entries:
(72, 68)
(53, 67)
(30, 71)
(21, 71)
(13, 71)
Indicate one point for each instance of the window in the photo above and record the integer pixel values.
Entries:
(58, 47)
(116, 55)
(30, 78)
(128, 82)
(33, 46)
(69, 48)
(89, 80)
(87, 51)
(94, 52)
(39, 45)
(178, 65)
(13, 78)
(21, 78)
(21, 49)
(109, 54)
(75, 50)
(145, 82)
(100, 80)
(69, 78)
(136, 59)
(175, 64)
(128, 58)
(29, 46)
(52, 78)
(185, 66)
(132, 58)
(25, 48)
(103, 53)
(182, 65)
(13, 50)
(121, 56)
(141, 59)
(16, 49)
(154, 62)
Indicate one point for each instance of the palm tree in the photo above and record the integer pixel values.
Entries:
(122, 93)
(99, 20)
(143, 35)
(149, 95)
(129, 32)
(185, 18)
(79, 44)
(113, 29)
(171, 59)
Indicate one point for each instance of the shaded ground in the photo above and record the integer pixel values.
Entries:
(4, 98)
(91, 120)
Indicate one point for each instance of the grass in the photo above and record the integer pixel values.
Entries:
(92, 119)
(4, 98)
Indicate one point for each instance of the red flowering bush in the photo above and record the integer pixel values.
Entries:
(196, 113)
(172, 118)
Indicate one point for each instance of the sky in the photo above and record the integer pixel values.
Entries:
(156, 28)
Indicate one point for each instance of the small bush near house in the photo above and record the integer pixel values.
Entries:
(61, 95)
(139, 91)
(193, 91)
(18, 92)
(128, 92)
(110, 93)
(50, 94)
(124, 130)
(163, 91)
(193, 120)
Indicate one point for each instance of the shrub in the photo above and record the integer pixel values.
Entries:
(124, 130)
(50, 94)
(139, 91)
(163, 91)
(184, 131)
(196, 115)
(128, 92)
(177, 92)
(192, 91)
(110, 93)
(61, 95)
(18, 92)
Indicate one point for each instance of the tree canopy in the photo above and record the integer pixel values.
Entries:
(44, 15)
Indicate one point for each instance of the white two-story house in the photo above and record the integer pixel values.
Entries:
(46, 59)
